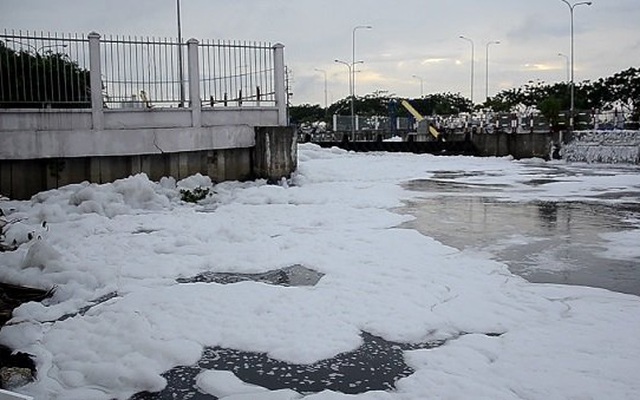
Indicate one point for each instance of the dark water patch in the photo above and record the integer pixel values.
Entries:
(435, 185)
(376, 365)
(619, 195)
(82, 311)
(144, 231)
(295, 275)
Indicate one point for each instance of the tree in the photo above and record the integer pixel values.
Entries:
(442, 104)
(306, 113)
(550, 108)
(622, 90)
(42, 80)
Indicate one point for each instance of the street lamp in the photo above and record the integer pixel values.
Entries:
(566, 57)
(180, 70)
(353, 119)
(325, 85)
(472, 61)
(486, 94)
(353, 54)
(421, 84)
(571, 7)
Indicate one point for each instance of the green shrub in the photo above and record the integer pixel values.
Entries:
(195, 195)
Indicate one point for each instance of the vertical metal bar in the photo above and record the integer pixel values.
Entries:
(114, 58)
(155, 74)
(48, 84)
(226, 81)
(56, 73)
(172, 73)
(157, 68)
(14, 69)
(128, 67)
(220, 74)
(237, 67)
(136, 64)
(22, 67)
(66, 70)
(30, 74)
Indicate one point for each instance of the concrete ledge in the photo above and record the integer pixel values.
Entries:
(25, 145)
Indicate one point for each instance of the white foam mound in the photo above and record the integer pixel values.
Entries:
(609, 147)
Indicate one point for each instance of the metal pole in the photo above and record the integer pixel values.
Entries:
(353, 55)
(421, 85)
(472, 62)
(353, 127)
(486, 94)
(566, 57)
(325, 85)
(180, 67)
(572, 83)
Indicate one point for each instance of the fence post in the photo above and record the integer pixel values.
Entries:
(95, 77)
(279, 83)
(194, 83)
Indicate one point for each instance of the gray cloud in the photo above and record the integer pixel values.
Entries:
(405, 34)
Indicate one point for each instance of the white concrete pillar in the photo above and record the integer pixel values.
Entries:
(279, 84)
(194, 83)
(95, 77)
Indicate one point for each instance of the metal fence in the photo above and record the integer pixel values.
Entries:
(142, 72)
(492, 122)
(52, 70)
(236, 73)
(39, 70)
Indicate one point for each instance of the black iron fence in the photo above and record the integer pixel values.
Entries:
(46, 70)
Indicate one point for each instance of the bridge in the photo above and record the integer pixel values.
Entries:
(75, 108)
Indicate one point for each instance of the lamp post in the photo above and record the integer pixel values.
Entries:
(353, 116)
(472, 61)
(566, 58)
(421, 84)
(325, 85)
(353, 55)
(486, 70)
(180, 67)
(571, 7)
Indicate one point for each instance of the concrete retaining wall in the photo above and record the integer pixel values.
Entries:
(275, 154)
(270, 155)
(518, 145)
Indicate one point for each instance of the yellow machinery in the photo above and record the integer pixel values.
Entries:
(421, 120)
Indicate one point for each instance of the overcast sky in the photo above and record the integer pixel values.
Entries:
(409, 37)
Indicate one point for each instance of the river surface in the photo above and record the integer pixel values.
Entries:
(582, 242)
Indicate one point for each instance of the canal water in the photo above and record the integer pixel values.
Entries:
(588, 240)
(582, 242)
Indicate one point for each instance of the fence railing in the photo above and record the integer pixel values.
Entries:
(239, 73)
(490, 122)
(39, 70)
(55, 71)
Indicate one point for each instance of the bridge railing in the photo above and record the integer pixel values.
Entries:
(44, 70)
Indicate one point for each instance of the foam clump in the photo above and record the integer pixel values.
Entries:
(608, 147)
